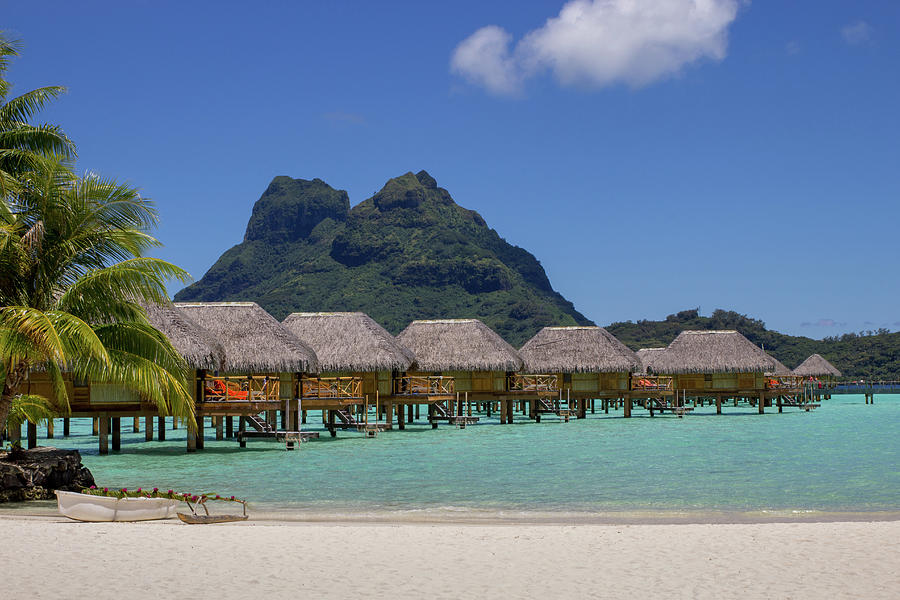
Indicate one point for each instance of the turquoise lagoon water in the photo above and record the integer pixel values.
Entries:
(842, 457)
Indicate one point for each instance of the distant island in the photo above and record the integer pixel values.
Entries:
(411, 252)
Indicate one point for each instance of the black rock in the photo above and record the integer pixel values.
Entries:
(34, 474)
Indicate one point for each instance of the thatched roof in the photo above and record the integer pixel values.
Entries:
(722, 351)
(199, 347)
(254, 341)
(349, 341)
(816, 366)
(458, 345)
(647, 356)
(780, 368)
(577, 350)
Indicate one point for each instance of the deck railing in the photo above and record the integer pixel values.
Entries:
(431, 385)
(652, 383)
(784, 382)
(331, 387)
(241, 388)
(533, 383)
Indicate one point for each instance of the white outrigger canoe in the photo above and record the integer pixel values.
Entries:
(86, 507)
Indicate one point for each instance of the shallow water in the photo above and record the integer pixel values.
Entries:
(843, 457)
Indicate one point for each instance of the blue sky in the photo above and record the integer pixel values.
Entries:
(747, 158)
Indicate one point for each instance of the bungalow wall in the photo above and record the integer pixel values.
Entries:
(587, 383)
(720, 381)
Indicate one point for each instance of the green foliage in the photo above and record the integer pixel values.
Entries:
(73, 273)
(409, 252)
(875, 356)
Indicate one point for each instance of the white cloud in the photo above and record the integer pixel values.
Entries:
(599, 43)
(858, 32)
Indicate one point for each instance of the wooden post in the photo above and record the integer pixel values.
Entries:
(762, 402)
(331, 428)
(409, 412)
(593, 402)
(718, 404)
(116, 434)
(103, 434)
(66, 427)
(229, 427)
(191, 438)
(628, 407)
(606, 405)
(32, 435)
(200, 432)
(778, 401)
(174, 423)
(242, 427)
(95, 426)
(49, 429)
(510, 416)
(148, 429)
(220, 429)
(417, 412)
(468, 405)
(136, 425)
(401, 422)
(161, 428)
(431, 419)
(503, 411)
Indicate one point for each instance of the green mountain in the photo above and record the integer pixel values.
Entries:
(873, 356)
(409, 252)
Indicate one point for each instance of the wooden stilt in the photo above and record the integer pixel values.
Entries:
(409, 412)
(66, 427)
(718, 404)
(401, 422)
(242, 427)
(161, 428)
(136, 425)
(32, 435)
(116, 434)
(174, 423)
(417, 412)
(229, 427)
(103, 434)
(778, 401)
(510, 417)
(201, 432)
(220, 429)
(95, 426)
(628, 407)
(331, 428)
(503, 404)
(762, 402)
(434, 423)
(50, 429)
(148, 429)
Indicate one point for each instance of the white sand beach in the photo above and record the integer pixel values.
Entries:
(46, 557)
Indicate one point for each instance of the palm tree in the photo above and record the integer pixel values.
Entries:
(23, 147)
(73, 277)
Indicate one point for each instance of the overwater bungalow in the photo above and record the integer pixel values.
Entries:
(108, 403)
(572, 366)
(479, 361)
(821, 374)
(264, 366)
(714, 363)
(817, 367)
(360, 364)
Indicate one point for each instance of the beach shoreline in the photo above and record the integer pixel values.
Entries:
(492, 517)
(452, 560)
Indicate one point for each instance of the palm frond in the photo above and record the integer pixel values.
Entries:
(31, 408)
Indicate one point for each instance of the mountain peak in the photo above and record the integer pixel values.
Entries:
(290, 208)
(408, 252)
